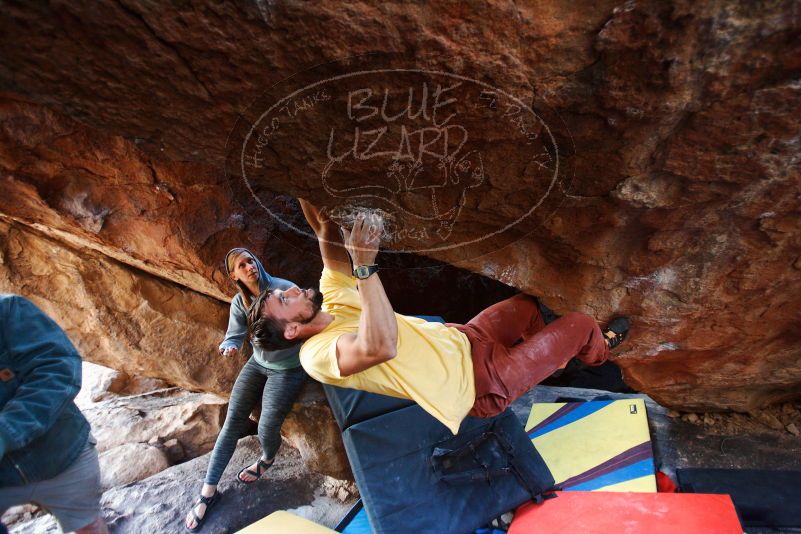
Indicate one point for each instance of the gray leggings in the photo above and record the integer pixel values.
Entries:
(278, 390)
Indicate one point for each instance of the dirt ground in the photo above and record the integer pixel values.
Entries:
(780, 418)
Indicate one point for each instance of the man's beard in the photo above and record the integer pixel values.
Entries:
(317, 304)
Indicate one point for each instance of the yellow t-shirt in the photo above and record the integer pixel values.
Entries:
(433, 365)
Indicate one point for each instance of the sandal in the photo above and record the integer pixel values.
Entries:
(261, 467)
(620, 328)
(209, 502)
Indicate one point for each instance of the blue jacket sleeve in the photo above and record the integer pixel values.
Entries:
(237, 325)
(47, 367)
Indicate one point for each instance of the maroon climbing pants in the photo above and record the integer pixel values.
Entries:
(513, 349)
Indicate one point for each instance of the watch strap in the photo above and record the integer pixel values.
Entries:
(363, 272)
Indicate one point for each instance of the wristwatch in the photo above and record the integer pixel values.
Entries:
(365, 271)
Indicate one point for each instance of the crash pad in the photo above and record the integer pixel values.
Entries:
(596, 445)
(355, 522)
(763, 498)
(282, 522)
(415, 476)
(628, 513)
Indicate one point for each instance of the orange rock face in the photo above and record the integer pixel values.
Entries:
(676, 198)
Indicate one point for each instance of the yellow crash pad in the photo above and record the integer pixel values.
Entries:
(596, 445)
(281, 522)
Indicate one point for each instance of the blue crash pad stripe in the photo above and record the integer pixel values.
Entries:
(359, 524)
(581, 411)
(636, 470)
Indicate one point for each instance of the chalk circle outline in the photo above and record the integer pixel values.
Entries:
(522, 104)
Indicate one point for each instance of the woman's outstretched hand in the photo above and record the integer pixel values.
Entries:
(229, 351)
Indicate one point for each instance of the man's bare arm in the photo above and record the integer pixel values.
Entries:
(377, 338)
(335, 257)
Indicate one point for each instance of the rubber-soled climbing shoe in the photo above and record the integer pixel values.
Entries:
(620, 328)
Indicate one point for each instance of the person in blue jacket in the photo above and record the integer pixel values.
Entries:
(47, 455)
(275, 377)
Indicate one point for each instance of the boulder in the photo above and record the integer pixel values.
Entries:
(24, 515)
(129, 463)
(193, 419)
(174, 450)
(98, 383)
(310, 428)
(101, 383)
(134, 385)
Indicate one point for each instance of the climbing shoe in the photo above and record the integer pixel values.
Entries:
(616, 332)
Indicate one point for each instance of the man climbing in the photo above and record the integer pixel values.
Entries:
(352, 337)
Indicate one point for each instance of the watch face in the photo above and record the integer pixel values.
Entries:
(364, 271)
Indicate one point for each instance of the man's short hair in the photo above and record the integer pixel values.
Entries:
(267, 333)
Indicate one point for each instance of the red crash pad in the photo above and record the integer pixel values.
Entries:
(628, 513)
